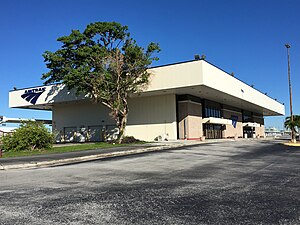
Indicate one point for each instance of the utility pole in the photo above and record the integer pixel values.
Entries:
(290, 91)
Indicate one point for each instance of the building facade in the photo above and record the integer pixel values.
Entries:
(189, 100)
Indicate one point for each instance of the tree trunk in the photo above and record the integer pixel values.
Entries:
(122, 125)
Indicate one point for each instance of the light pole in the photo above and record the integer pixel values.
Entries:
(290, 90)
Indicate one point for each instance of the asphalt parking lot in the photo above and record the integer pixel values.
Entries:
(242, 182)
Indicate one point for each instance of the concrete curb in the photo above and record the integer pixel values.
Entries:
(291, 144)
(75, 160)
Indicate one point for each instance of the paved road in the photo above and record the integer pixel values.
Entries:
(243, 182)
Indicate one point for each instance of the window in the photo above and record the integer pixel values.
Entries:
(247, 116)
(212, 112)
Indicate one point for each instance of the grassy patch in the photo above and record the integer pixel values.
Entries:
(61, 149)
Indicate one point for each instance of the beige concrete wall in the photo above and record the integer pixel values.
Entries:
(175, 76)
(151, 117)
(191, 113)
(195, 129)
(260, 131)
(230, 131)
(219, 80)
(80, 114)
(73, 117)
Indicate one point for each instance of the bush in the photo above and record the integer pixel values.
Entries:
(29, 136)
(130, 140)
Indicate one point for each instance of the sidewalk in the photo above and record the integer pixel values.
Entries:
(58, 159)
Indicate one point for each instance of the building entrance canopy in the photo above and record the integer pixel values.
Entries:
(249, 124)
(214, 120)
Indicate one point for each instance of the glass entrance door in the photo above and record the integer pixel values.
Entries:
(213, 131)
(249, 132)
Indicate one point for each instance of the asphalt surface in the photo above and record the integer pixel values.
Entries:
(243, 182)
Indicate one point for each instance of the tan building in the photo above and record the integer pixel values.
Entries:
(188, 100)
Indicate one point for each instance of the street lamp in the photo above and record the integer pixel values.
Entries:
(290, 90)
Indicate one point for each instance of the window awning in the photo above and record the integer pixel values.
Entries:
(215, 120)
(249, 124)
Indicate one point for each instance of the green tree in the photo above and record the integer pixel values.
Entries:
(293, 125)
(29, 136)
(104, 63)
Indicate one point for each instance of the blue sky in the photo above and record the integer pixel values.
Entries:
(246, 37)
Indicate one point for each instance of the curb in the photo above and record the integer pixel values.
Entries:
(68, 161)
(291, 144)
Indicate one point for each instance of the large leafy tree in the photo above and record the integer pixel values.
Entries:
(104, 63)
(292, 125)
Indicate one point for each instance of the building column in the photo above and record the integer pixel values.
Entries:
(189, 120)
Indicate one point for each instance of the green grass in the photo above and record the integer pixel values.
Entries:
(61, 149)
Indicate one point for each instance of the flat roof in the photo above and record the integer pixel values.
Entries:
(196, 77)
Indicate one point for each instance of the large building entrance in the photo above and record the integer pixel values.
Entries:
(212, 131)
(249, 132)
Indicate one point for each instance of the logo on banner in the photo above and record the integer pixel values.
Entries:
(234, 120)
(32, 95)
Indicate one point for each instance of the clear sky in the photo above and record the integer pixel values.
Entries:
(246, 37)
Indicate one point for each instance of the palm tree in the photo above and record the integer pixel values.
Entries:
(292, 125)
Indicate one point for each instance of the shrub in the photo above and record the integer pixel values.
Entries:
(130, 140)
(29, 136)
